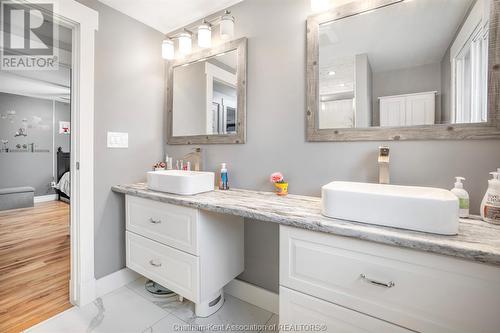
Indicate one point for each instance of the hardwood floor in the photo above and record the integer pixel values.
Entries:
(34, 264)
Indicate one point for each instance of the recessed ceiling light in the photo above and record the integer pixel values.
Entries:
(331, 73)
(342, 84)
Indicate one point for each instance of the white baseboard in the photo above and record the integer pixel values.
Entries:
(45, 198)
(252, 294)
(114, 281)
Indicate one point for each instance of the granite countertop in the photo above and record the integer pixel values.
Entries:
(476, 240)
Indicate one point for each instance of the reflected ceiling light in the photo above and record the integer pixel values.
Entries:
(323, 107)
(342, 84)
(167, 49)
(320, 5)
(226, 26)
(185, 45)
(205, 35)
(331, 73)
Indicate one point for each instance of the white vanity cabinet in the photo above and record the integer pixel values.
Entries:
(362, 286)
(195, 253)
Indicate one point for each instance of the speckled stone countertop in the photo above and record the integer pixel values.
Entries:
(476, 240)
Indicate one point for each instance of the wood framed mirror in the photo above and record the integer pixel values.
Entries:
(206, 96)
(404, 70)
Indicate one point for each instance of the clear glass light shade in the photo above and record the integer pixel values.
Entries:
(204, 36)
(320, 5)
(226, 27)
(185, 45)
(167, 49)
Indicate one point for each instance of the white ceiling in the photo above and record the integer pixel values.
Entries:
(169, 15)
(406, 34)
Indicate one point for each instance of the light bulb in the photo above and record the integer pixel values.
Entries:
(185, 45)
(167, 49)
(204, 36)
(227, 26)
(320, 5)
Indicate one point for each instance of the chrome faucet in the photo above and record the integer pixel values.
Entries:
(383, 165)
(194, 158)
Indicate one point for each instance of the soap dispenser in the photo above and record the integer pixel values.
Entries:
(490, 206)
(463, 197)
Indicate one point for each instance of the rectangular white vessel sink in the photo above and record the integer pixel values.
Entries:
(181, 182)
(424, 209)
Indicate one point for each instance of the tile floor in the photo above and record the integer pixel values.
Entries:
(133, 309)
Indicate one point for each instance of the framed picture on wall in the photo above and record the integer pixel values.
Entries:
(64, 127)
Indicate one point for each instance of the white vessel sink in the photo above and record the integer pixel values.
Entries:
(424, 209)
(181, 182)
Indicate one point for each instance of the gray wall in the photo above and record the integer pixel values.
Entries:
(276, 139)
(406, 81)
(129, 82)
(31, 169)
(363, 90)
(190, 100)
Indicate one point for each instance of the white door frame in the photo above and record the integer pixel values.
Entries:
(84, 23)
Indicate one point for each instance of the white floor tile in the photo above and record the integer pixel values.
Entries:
(167, 325)
(121, 311)
(272, 324)
(233, 312)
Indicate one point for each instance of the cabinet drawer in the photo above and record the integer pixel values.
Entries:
(171, 225)
(298, 309)
(430, 293)
(169, 267)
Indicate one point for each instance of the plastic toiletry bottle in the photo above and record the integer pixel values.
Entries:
(463, 197)
(223, 183)
(490, 206)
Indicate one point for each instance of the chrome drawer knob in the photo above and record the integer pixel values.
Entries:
(389, 284)
(155, 264)
(152, 220)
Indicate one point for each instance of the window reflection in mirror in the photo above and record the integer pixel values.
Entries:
(205, 96)
(410, 63)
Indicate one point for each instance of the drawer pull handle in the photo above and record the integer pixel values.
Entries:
(155, 264)
(389, 284)
(152, 220)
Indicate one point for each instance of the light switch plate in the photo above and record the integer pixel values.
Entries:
(117, 140)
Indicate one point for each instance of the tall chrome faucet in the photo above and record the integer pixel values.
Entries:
(383, 165)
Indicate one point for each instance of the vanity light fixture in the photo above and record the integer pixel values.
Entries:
(226, 26)
(320, 5)
(167, 49)
(205, 35)
(185, 43)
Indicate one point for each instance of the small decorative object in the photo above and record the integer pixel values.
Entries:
(159, 166)
(21, 132)
(5, 148)
(64, 127)
(279, 182)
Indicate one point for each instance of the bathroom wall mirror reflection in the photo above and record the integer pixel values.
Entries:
(385, 69)
(206, 96)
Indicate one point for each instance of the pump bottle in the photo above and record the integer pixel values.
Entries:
(463, 197)
(490, 206)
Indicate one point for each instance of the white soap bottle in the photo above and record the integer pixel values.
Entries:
(490, 206)
(463, 197)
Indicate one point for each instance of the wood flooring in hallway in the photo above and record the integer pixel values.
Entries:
(34, 264)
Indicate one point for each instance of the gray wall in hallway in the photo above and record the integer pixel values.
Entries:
(31, 169)
(129, 82)
(276, 139)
